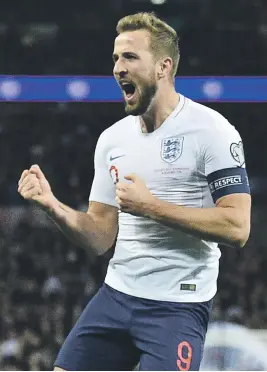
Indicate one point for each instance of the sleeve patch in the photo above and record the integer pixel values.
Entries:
(237, 153)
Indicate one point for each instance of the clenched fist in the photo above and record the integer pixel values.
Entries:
(134, 198)
(34, 186)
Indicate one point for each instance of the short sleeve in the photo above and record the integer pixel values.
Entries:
(103, 188)
(223, 148)
(224, 161)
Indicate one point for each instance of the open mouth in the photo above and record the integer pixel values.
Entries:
(128, 89)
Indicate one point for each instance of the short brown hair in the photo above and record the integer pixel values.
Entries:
(164, 39)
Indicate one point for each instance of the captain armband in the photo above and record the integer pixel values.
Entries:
(228, 181)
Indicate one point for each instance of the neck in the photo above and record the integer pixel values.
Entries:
(165, 101)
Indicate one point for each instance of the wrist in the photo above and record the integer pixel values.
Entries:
(52, 206)
(151, 207)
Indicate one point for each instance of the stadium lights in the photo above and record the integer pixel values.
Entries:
(158, 2)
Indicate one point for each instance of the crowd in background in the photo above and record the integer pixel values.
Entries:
(217, 37)
(45, 280)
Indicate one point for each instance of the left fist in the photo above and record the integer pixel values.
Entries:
(133, 198)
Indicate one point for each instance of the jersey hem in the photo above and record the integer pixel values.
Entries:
(119, 286)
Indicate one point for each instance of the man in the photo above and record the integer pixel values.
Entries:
(170, 178)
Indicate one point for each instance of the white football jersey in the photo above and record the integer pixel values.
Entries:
(151, 260)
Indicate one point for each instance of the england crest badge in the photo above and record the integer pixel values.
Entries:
(171, 148)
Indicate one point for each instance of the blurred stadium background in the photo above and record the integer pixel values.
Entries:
(45, 281)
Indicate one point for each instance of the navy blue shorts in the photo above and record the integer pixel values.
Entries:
(117, 331)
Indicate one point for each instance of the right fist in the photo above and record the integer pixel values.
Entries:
(34, 186)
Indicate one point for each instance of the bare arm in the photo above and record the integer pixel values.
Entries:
(227, 223)
(95, 230)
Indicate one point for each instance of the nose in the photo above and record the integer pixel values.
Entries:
(119, 69)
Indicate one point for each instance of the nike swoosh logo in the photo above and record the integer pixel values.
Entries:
(115, 157)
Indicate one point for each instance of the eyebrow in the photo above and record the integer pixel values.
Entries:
(124, 54)
(114, 56)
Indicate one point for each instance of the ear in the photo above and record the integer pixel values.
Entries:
(165, 67)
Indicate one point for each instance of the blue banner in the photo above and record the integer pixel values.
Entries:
(105, 89)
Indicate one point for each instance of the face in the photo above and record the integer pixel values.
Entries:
(135, 70)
